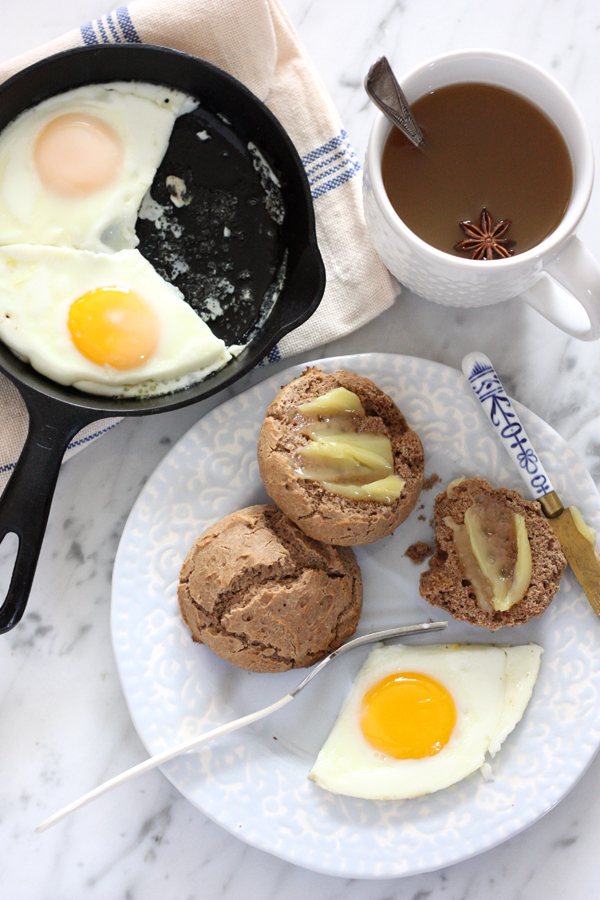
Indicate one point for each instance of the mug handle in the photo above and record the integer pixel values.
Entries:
(568, 292)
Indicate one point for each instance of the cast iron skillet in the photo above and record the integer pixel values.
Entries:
(57, 413)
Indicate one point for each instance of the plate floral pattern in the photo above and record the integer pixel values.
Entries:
(254, 782)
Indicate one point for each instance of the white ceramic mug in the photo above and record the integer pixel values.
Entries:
(559, 277)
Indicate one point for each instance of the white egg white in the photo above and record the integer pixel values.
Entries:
(38, 286)
(490, 686)
(141, 115)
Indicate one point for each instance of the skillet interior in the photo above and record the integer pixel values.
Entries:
(219, 95)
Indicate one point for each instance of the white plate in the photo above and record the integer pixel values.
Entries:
(254, 782)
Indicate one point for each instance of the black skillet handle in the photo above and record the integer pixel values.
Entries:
(26, 499)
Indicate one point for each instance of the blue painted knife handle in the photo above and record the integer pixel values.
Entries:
(488, 389)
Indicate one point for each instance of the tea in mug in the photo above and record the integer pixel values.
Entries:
(485, 148)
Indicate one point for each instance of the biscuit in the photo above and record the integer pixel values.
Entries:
(320, 513)
(265, 596)
(445, 585)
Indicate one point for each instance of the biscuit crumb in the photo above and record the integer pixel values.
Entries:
(418, 552)
(429, 482)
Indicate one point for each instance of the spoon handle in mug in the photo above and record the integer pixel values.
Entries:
(488, 389)
(382, 87)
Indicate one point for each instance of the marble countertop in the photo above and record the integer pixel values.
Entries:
(65, 725)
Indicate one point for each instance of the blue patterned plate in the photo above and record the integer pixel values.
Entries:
(254, 782)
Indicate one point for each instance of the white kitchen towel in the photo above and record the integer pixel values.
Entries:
(254, 41)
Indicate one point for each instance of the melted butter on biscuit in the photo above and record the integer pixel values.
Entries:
(342, 454)
(494, 552)
(339, 401)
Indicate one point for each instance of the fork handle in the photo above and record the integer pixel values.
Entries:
(488, 389)
(161, 758)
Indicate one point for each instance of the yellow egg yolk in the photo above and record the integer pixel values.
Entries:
(113, 326)
(77, 154)
(408, 715)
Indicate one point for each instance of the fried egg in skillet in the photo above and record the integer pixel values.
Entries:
(104, 323)
(74, 168)
(75, 171)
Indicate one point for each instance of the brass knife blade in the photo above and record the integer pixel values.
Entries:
(582, 555)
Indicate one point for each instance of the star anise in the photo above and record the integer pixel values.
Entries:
(485, 241)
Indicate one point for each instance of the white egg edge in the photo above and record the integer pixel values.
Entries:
(522, 667)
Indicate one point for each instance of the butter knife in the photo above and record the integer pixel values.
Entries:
(577, 540)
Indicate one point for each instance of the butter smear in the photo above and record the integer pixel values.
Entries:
(346, 460)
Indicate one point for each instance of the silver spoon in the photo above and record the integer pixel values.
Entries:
(385, 92)
(166, 755)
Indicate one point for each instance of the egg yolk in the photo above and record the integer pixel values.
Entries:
(408, 715)
(114, 326)
(77, 154)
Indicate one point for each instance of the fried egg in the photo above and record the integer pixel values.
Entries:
(74, 168)
(104, 323)
(419, 719)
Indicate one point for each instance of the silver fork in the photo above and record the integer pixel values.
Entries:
(172, 752)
